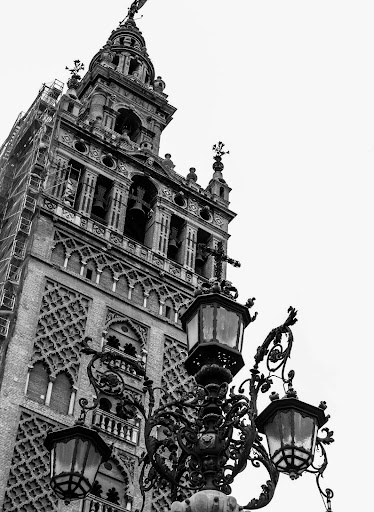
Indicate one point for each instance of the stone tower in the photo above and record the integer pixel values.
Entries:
(100, 237)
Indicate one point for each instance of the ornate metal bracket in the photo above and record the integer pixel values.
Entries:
(202, 440)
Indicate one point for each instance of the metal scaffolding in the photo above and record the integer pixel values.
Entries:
(23, 161)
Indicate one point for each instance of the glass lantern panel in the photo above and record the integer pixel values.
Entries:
(80, 456)
(63, 458)
(227, 327)
(272, 436)
(304, 430)
(92, 464)
(193, 331)
(241, 333)
(285, 420)
(208, 323)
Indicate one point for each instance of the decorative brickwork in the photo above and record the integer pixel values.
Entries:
(177, 382)
(28, 488)
(140, 330)
(174, 375)
(138, 280)
(60, 329)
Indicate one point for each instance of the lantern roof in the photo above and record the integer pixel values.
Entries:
(82, 432)
(284, 404)
(216, 297)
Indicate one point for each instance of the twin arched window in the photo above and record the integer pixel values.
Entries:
(58, 394)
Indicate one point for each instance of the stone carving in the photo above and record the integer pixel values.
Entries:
(67, 138)
(140, 330)
(126, 461)
(193, 207)
(218, 220)
(61, 327)
(28, 483)
(174, 375)
(120, 268)
(95, 153)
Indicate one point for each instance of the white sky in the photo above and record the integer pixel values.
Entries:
(287, 85)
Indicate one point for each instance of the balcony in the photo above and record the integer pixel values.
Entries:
(121, 363)
(95, 504)
(115, 426)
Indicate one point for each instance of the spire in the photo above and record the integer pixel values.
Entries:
(217, 185)
(126, 51)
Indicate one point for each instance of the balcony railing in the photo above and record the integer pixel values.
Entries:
(95, 504)
(115, 426)
(123, 365)
(127, 244)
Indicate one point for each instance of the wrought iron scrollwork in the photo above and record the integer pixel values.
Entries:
(203, 439)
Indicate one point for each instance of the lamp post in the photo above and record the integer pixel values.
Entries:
(211, 433)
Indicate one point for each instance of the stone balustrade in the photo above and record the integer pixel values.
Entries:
(115, 426)
(96, 504)
(127, 244)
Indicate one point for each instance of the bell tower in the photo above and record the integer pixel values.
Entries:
(102, 243)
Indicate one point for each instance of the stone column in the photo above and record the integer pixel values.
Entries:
(161, 231)
(98, 100)
(117, 208)
(126, 64)
(87, 193)
(121, 63)
(189, 238)
(157, 128)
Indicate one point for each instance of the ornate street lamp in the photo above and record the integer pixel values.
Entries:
(76, 454)
(210, 433)
(291, 428)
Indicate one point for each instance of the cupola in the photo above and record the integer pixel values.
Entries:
(126, 52)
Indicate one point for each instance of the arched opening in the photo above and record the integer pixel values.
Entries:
(175, 238)
(111, 485)
(203, 238)
(101, 202)
(128, 123)
(105, 404)
(61, 392)
(38, 383)
(123, 338)
(115, 60)
(134, 64)
(139, 220)
(69, 182)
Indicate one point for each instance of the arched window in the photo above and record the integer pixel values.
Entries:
(61, 392)
(139, 216)
(111, 485)
(38, 383)
(123, 338)
(134, 65)
(128, 123)
(105, 404)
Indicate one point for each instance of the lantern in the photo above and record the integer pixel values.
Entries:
(76, 454)
(215, 326)
(291, 428)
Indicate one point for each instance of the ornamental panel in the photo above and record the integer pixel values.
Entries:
(28, 488)
(60, 330)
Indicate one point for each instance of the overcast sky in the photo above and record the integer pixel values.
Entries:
(288, 87)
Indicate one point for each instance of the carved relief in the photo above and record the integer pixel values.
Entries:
(61, 327)
(28, 483)
(120, 269)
